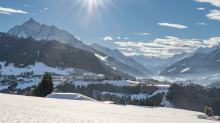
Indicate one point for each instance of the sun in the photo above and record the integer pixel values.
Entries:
(93, 4)
(90, 12)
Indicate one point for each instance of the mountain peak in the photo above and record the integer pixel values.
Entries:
(31, 19)
(42, 31)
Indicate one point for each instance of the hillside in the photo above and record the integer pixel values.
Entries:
(32, 28)
(16, 108)
(116, 55)
(203, 63)
(23, 52)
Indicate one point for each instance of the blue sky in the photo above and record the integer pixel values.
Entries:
(149, 27)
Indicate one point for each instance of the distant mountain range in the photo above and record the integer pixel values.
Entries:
(200, 63)
(118, 56)
(156, 64)
(24, 52)
(115, 58)
(204, 61)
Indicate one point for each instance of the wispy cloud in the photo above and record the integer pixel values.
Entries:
(28, 6)
(126, 38)
(213, 2)
(45, 8)
(212, 41)
(142, 33)
(201, 23)
(200, 8)
(107, 38)
(162, 47)
(10, 10)
(100, 38)
(130, 54)
(118, 37)
(129, 49)
(42, 11)
(6, 13)
(173, 25)
(214, 14)
(34, 14)
(77, 37)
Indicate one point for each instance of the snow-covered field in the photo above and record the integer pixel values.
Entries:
(70, 96)
(12, 70)
(22, 109)
(162, 88)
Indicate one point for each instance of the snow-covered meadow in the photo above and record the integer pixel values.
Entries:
(12, 70)
(162, 89)
(16, 108)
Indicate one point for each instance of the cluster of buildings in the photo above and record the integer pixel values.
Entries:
(83, 77)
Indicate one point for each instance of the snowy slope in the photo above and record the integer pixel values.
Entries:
(157, 65)
(117, 55)
(162, 89)
(42, 31)
(204, 62)
(70, 96)
(16, 108)
(12, 70)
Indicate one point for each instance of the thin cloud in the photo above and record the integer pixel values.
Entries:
(129, 49)
(77, 37)
(107, 38)
(132, 54)
(173, 25)
(27, 6)
(34, 14)
(213, 2)
(118, 37)
(163, 47)
(212, 41)
(10, 10)
(129, 54)
(200, 8)
(142, 33)
(100, 38)
(5, 13)
(214, 15)
(45, 8)
(42, 11)
(201, 23)
(126, 38)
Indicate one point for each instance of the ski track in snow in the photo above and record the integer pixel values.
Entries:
(28, 109)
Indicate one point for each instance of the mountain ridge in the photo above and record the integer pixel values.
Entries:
(42, 31)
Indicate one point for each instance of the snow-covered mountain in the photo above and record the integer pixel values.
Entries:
(117, 55)
(19, 55)
(157, 65)
(204, 62)
(42, 31)
(38, 31)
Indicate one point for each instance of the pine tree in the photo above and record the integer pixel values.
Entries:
(44, 88)
(99, 98)
(122, 101)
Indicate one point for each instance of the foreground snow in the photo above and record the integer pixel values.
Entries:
(16, 108)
